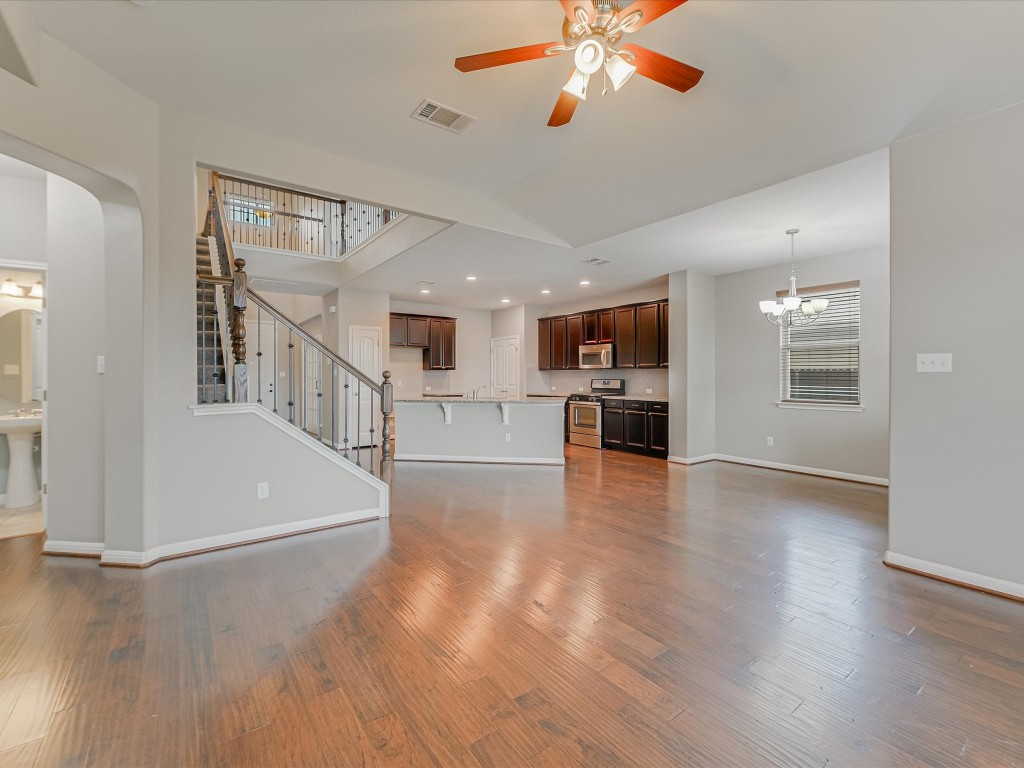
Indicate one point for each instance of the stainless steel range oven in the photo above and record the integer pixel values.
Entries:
(585, 411)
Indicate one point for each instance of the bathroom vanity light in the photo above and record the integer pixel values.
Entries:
(37, 290)
(11, 288)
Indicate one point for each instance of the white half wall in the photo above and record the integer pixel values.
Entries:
(747, 372)
(957, 229)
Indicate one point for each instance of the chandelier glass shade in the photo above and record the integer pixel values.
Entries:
(791, 309)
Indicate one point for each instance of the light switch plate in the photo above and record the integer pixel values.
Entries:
(262, 490)
(11, 369)
(101, 364)
(941, 362)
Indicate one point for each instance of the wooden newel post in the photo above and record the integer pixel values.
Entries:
(239, 300)
(387, 404)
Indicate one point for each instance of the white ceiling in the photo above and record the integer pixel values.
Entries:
(791, 87)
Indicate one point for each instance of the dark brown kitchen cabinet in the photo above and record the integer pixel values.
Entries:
(590, 328)
(625, 337)
(612, 433)
(440, 355)
(559, 338)
(574, 331)
(409, 331)
(605, 326)
(657, 430)
(648, 343)
(544, 344)
(634, 427)
(663, 334)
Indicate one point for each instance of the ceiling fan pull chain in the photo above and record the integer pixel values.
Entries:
(604, 91)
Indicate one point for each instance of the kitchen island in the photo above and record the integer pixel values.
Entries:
(490, 431)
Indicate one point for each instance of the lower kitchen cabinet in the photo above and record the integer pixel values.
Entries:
(612, 432)
(637, 426)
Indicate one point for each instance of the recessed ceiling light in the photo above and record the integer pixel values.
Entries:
(545, 291)
(471, 277)
(584, 282)
(424, 290)
(505, 301)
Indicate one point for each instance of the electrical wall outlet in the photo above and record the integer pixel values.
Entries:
(553, 389)
(771, 442)
(649, 391)
(580, 388)
(508, 437)
(935, 363)
(426, 389)
(262, 490)
(398, 383)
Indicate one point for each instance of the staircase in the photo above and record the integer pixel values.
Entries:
(211, 386)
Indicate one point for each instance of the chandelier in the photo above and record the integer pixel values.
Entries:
(792, 310)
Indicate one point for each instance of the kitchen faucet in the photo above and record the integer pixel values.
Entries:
(476, 391)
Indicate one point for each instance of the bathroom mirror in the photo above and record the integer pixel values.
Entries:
(21, 358)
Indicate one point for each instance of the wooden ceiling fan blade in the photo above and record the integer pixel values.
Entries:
(570, 6)
(650, 10)
(507, 56)
(664, 70)
(564, 107)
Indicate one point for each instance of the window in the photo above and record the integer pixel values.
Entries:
(248, 210)
(820, 362)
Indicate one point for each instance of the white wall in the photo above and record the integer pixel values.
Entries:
(76, 317)
(747, 372)
(957, 228)
(472, 353)
(23, 219)
(700, 329)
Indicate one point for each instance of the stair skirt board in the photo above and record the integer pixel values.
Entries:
(129, 559)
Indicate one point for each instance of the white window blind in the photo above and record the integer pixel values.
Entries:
(820, 362)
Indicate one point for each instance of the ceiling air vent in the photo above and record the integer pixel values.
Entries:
(442, 116)
(596, 262)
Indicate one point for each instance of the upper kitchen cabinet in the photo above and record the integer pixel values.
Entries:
(544, 344)
(663, 334)
(590, 328)
(409, 331)
(574, 332)
(440, 354)
(559, 340)
(625, 337)
(605, 326)
(648, 342)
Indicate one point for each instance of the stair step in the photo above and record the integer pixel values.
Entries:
(214, 356)
(209, 321)
(215, 374)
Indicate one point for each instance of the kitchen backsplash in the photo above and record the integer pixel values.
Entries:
(638, 380)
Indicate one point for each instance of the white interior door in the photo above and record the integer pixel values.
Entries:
(363, 411)
(261, 344)
(505, 367)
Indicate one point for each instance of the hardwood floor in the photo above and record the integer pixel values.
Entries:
(620, 612)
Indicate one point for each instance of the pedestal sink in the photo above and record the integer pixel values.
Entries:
(22, 488)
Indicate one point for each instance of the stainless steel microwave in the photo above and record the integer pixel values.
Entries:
(596, 356)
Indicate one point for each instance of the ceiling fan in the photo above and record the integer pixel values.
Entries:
(592, 28)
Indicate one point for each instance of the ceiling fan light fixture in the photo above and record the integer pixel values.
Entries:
(619, 71)
(577, 85)
(589, 56)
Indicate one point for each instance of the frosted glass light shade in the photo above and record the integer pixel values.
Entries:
(767, 307)
(577, 85)
(818, 305)
(791, 302)
(806, 308)
(778, 309)
(619, 71)
(10, 288)
(589, 56)
(37, 290)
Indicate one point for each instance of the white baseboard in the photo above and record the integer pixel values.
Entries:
(694, 460)
(251, 536)
(884, 481)
(79, 548)
(478, 459)
(949, 573)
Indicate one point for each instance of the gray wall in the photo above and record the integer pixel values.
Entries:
(23, 219)
(747, 372)
(700, 330)
(957, 229)
(76, 335)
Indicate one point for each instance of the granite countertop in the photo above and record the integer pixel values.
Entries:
(479, 401)
(655, 398)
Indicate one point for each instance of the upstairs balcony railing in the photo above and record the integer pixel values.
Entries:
(267, 216)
